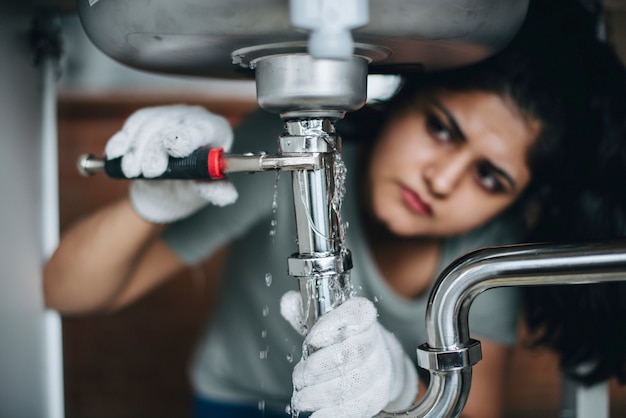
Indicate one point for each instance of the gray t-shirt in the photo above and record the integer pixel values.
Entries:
(248, 350)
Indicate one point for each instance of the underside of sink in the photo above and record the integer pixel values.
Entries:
(219, 38)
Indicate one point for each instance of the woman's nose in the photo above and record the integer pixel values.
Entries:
(444, 174)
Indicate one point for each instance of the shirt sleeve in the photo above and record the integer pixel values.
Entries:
(198, 236)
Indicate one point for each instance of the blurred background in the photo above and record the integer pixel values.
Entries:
(134, 363)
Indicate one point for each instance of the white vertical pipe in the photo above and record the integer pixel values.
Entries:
(24, 357)
(592, 401)
(580, 401)
(53, 346)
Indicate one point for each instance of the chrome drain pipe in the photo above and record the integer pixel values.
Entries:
(310, 95)
(449, 353)
(322, 263)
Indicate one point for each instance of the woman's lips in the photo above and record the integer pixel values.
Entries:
(415, 203)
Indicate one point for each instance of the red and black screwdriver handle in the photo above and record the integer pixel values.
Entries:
(203, 163)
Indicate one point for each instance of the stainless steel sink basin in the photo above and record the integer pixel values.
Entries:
(204, 37)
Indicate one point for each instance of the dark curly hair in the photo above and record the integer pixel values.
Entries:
(583, 323)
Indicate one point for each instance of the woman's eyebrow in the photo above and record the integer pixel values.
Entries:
(457, 131)
(451, 120)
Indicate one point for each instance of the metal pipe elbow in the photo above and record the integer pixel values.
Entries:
(449, 352)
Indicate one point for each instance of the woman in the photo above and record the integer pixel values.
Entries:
(455, 161)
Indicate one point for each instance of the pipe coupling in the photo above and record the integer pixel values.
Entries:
(446, 360)
(309, 266)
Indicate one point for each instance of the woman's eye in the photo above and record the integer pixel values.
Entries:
(488, 180)
(438, 129)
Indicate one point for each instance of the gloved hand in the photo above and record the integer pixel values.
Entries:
(357, 368)
(148, 138)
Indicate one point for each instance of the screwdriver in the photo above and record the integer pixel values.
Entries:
(207, 163)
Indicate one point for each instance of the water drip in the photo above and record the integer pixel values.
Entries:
(274, 221)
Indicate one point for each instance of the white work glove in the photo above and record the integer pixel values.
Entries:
(146, 141)
(357, 367)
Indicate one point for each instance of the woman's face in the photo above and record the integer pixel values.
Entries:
(450, 163)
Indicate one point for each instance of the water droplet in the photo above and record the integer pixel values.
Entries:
(305, 351)
(375, 299)
(290, 358)
(273, 222)
(266, 310)
(264, 333)
(261, 405)
(275, 197)
(268, 279)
